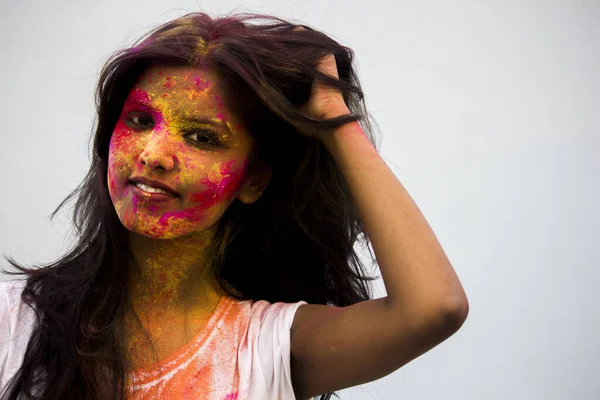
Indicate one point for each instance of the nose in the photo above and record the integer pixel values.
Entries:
(158, 152)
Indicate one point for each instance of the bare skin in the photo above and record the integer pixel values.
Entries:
(172, 304)
(204, 163)
(332, 348)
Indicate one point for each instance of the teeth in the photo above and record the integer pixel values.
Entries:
(150, 189)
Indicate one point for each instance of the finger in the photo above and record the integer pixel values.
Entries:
(328, 66)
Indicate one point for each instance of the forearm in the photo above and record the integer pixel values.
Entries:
(414, 267)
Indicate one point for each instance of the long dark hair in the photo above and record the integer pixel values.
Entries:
(295, 243)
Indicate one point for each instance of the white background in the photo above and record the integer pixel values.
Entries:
(489, 115)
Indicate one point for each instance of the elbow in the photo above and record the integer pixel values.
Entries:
(441, 322)
(455, 313)
(442, 316)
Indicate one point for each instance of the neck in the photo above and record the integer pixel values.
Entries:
(171, 273)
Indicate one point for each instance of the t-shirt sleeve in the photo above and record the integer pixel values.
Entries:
(16, 320)
(274, 347)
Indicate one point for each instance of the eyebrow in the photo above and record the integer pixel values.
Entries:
(202, 120)
(198, 120)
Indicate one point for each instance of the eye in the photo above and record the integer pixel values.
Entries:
(198, 135)
(138, 119)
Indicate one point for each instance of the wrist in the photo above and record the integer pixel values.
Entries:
(330, 138)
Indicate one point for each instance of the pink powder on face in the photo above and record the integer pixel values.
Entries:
(215, 189)
(139, 95)
(191, 214)
(219, 102)
(142, 97)
(202, 84)
(227, 184)
(135, 203)
(168, 85)
(112, 184)
(225, 188)
(231, 396)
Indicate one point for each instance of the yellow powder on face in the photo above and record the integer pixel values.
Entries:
(178, 97)
(216, 174)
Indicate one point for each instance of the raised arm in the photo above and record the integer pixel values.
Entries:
(333, 348)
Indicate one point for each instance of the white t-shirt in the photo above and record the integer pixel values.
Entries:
(242, 352)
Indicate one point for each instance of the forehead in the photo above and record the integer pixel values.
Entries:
(180, 92)
(184, 76)
(181, 87)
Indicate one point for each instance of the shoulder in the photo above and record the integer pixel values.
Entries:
(266, 320)
(10, 296)
(274, 313)
(269, 338)
(15, 315)
(16, 324)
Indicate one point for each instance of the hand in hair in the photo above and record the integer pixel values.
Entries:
(325, 101)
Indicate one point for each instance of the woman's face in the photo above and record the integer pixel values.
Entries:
(175, 132)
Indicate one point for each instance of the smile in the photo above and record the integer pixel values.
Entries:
(150, 189)
(150, 186)
(148, 193)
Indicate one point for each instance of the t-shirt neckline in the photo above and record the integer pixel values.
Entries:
(145, 373)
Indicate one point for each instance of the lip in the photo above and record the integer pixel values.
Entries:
(154, 184)
(152, 197)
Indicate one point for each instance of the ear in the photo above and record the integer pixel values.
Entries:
(255, 185)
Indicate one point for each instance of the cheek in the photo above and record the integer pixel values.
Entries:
(222, 182)
(121, 155)
(212, 190)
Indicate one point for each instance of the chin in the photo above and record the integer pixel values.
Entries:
(157, 230)
(155, 235)
(165, 225)
(154, 231)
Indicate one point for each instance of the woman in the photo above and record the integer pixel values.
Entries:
(233, 171)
